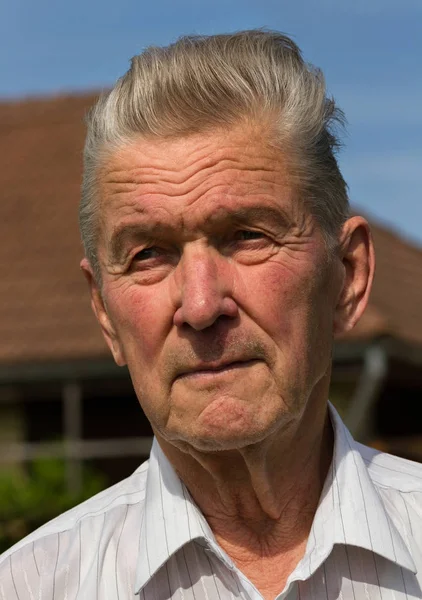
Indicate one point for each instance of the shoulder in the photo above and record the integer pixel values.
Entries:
(399, 485)
(84, 530)
(391, 471)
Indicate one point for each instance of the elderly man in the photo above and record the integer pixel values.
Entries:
(222, 262)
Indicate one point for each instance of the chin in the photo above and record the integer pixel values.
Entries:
(227, 423)
(211, 439)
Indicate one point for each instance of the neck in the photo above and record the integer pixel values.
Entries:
(260, 500)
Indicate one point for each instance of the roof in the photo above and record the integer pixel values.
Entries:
(45, 312)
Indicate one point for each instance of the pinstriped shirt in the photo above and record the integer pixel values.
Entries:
(146, 538)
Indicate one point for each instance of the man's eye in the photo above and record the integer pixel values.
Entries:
(245, 235)
(146, 253)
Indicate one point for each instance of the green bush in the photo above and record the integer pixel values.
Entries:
(28, 500)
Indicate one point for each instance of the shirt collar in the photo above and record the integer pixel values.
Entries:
(350, 512)
(171, 520)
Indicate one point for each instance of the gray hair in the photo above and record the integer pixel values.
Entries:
(204, 82)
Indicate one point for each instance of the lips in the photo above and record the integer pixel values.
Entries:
(217, 367)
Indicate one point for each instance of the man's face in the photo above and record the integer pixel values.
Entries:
(217, 288)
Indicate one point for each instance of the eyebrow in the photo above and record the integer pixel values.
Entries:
(142, 231)
(257, 213)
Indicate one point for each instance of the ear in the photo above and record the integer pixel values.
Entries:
(357, 256)
(100, 311)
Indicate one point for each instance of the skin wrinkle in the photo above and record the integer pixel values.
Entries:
(146, 176)
(148, 197)
(157, 231)
(202, 163)
(253, 443)
(219, 190)
(196, 168)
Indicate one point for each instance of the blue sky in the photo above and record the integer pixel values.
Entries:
(369, 50)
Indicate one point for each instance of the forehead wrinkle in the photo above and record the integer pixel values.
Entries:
(142, 168)
(149, 205)
(191, 192)
(127, 181)
(243, 182)
(189, 169)
(267, 193)
(178, 161)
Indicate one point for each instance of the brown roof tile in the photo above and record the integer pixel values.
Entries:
(44, 310)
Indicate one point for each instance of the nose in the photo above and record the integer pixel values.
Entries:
(204, 289)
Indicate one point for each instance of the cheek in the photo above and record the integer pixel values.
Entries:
(140, 316)
(291, 306)
(276, 297)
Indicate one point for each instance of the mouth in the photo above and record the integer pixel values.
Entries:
(215, 370)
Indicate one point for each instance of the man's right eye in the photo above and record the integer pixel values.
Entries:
(146, 253)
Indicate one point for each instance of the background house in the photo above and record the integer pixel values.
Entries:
(60, 392)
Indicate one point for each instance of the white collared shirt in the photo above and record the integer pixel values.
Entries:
(145, 537)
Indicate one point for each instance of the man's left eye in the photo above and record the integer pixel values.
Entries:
(245, 235)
